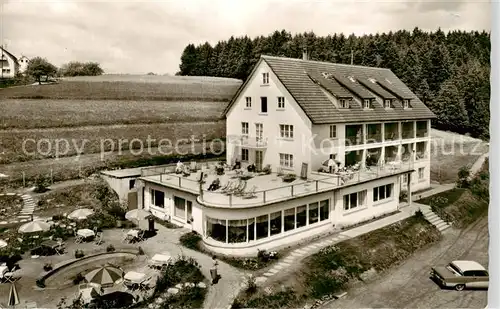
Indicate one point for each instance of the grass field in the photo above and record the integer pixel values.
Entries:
(451, 151)
(28, 114)
(40, 144)
(135, 88)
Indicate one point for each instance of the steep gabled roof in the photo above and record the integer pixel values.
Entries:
(295, 75)
(329, 84)
(6, 52)
(401, 94)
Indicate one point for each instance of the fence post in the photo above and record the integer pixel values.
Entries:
(316, 186)
(24, 180)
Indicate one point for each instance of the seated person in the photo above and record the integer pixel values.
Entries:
(251, 168)
(214, 185)
(237, 164)
(179, 168)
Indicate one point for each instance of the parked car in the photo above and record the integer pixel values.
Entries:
(460, 275)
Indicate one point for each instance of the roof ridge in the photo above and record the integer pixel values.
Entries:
(323, 62)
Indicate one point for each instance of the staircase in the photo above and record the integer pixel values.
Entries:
(28, 206)
(434, 219)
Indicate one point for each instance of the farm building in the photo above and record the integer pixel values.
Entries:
(23, 63)
(311, 146)
(10, 65)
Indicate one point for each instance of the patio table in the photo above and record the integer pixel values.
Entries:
(133, 233)
(133, 279)
(85, 233)
(159, 260)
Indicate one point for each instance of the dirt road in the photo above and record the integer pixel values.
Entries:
(408, 285)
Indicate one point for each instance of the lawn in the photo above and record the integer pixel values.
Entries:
(49, 143)
(135, 89)
(29, 114)
(333, 268)
(451, 151)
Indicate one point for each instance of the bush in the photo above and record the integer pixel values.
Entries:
(79, 253)
(267, 169)
(140, 251)
(289, 177)
(78, 278)
(47, 267)
(419, 214)
(41, 184)
(184, 269)
(110, 248)
(251, 285)
(190, 240)
(463, 177)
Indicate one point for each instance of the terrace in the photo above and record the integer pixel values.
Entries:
(353, 135)
(374, 133)
(264, 188)
(391, 132)
(408, 131)
(422, 129)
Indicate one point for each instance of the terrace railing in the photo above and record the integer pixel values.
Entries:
(391, 135)
(307, 187)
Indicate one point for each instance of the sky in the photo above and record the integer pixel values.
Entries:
(137, 37)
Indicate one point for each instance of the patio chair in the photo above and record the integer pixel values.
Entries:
(250, 193)
(235, 187)
(9, 277)
(146, 284)
(241, 189)
(78, 238)
(231, 185)
(98, 238)
(224, 187)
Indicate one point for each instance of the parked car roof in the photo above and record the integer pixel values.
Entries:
(468, 265)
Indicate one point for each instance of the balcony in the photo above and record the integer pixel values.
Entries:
(390, 153)
(421, 153)
(373, 133)
(408, 131)
(422, 133)
(248, 141)
(353, 140)
(391, 132)
(354, 135)
(267, 189)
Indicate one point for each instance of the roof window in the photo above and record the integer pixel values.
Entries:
(372, 80)
(351, 79)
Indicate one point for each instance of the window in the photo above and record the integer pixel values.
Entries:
(324, 210)
(157, 198)
(275, 223)
(354, 200)
(248, 102)
(289, 219)
(263, 104)
(366, 103)
(244, 154)
(421, 174)
(265, 78)
(244, 128)
(179, 207)
(387, 104)
(301, 216)
(382, 192)
(262, 226)
(286, 160)
(344, 103)
(259, 131)
(131, 184)
(333, 131)
(281, 102)
(313, 213)
(286, 131)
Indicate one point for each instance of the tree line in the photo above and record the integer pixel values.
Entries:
(449, 72)
(40, 68)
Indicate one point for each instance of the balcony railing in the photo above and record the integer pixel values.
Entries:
(373, 138)
(248, 141)
(409, 134)
(353, 140)
(422, 133)
(319, 182)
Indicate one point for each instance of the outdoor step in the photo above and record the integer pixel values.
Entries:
(438, 222)
(434, 220)
(443, 228)
(430, 217)
(441, 224)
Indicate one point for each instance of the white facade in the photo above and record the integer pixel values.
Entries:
(8, 64)
(23, 63)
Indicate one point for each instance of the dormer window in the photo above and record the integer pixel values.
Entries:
(366, 103)
(265, 78)
(344, 103)
(387, 103)
(351, 79)
(406, 103)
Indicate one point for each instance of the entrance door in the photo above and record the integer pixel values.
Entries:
(258, 160)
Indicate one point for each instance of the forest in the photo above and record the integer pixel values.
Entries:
(449, 72)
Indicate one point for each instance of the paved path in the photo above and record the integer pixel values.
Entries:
(219, 296)
(478, 164)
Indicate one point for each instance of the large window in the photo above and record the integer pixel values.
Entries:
(244, 154)
(301, 216)
(289, 219)
(286, 131)
(263, 104)
(324, 210)
(179, 207)
(262, 226)
(382, 192)
(275, 223)
(248, 102)
(237, 231)
(286, 160)
(216, 229)
(333, 131)
(157, 198)
(313, 213)
(354, 200)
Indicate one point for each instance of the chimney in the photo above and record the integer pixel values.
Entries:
(305, 56)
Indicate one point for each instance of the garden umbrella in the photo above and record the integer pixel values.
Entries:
(105, 275)
(80, 214)
(137, 215)
(34, 226)
(13, 296)
(3, 244)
